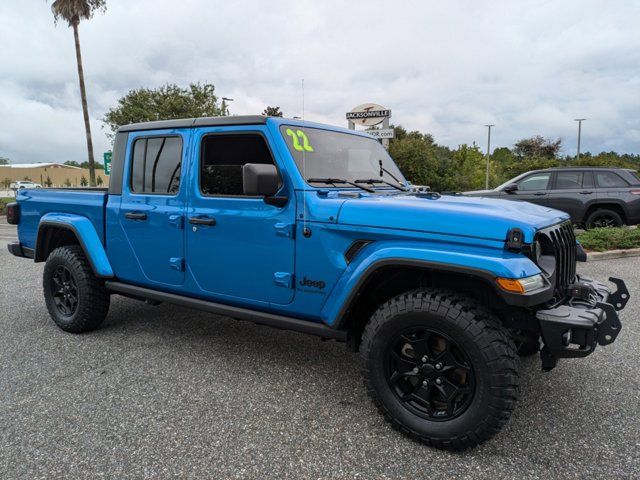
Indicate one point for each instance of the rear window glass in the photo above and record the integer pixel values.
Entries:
(155, 165)
(568, 180)
(609, 180)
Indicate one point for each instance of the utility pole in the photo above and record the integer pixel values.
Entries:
(225, 105)
(579, 120)
(486, 182)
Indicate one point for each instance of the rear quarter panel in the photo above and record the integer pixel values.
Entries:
(35, 203)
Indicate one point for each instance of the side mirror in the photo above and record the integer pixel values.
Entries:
(512, 187)
(262, 180)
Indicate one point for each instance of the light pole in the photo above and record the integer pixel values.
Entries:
(579, 120)
(225, 108)
(486, 180)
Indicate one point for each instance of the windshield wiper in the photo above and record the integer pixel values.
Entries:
(335, 181)
(380, 180)
(384, 170)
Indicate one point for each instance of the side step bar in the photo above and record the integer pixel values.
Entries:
(262, 318)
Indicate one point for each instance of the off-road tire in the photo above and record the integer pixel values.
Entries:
(612, 218)
(483, 339)
(92, 297)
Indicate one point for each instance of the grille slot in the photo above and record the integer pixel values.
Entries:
(564, 244)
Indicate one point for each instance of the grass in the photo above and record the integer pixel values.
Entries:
(3, 204)
(601, 239)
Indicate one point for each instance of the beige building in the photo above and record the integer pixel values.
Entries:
(49, 174)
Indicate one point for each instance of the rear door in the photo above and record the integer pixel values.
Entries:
(238, 247)
(571, 191)
(151, 214)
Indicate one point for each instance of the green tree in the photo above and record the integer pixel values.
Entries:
(98, 165)
(166, 102)
(415, 154)
(72, 11)
(67, 182)
(272, 112)
(537, 146)
(6, 183)
(71, 163)
(4, 161)
(99, 181)
(83, 181)
(48, 182)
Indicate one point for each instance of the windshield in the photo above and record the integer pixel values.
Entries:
(336, 155)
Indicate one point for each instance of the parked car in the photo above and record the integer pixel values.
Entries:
(22, 184)
(313, 228)
(594, 197)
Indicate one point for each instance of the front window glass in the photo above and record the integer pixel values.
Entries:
(223, 157)
(538, 181)
(324, 154)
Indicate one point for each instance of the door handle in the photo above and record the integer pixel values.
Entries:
(202, 221)
(539, 194)
(135, 216)
(586, 192)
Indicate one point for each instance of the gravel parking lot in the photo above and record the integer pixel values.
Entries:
(169, 392)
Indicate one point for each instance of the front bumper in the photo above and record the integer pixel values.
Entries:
(588, 319)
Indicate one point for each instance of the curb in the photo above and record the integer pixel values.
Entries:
(611, 254)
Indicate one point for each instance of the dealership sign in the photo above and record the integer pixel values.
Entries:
(368, 114)
(381, 133)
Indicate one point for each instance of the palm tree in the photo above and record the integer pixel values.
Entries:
(73, 11)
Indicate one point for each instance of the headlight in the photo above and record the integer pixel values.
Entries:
(521, 285)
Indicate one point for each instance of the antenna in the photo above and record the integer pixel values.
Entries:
(304, 175)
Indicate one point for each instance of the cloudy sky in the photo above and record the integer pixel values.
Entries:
(444, 67)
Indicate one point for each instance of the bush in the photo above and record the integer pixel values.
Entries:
(3, 204)
(610, 238)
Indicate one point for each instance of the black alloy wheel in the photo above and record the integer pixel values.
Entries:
(64, 291)
(603, 218)
(429, 373)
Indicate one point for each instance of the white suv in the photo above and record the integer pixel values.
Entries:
(24, 184)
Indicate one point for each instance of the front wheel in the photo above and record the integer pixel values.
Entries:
(440, 368)
(77, 301)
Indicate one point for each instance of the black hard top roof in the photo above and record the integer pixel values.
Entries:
(196, 122)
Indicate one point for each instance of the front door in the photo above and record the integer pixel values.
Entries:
(533, 188)
(238, 247)
(151, 215)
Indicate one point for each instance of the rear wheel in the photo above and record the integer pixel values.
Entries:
(76, 299)
(440, 368)
(604, 218)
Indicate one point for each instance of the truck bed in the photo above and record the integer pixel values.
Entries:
(35, 203)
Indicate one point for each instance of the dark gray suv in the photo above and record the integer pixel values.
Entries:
(594, 197)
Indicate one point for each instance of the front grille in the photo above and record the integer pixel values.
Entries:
(564, 243)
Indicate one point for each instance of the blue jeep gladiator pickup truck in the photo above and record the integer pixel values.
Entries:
(313, 228)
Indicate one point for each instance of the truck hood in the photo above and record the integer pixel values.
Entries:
(485, 218)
